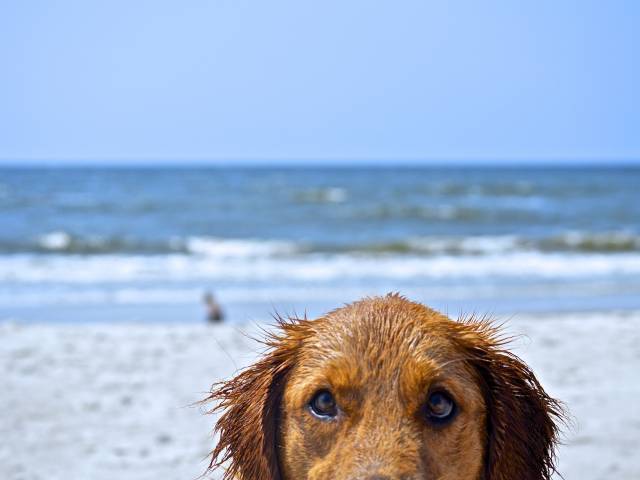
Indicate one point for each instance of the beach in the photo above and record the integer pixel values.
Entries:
(115, 401)
(103, 344)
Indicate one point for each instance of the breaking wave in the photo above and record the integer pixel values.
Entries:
(312, 267)
(64, 243)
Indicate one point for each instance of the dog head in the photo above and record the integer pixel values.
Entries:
(387, 389)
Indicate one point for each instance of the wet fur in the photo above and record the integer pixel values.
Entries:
(508, 431)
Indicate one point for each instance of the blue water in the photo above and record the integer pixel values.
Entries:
(144, 244)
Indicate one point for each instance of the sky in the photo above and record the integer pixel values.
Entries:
(225, 80)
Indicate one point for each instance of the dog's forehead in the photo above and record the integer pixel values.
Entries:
(390, 327)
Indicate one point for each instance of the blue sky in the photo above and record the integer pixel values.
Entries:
(293, 80)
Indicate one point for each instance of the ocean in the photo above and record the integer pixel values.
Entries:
(145, 244)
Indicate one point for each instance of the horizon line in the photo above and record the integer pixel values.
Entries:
(271, 162)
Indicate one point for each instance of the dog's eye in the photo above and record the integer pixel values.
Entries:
(323, 405)
(440, 407)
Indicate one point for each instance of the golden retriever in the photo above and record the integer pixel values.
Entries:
(385, 389)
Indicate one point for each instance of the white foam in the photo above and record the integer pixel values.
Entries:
(57, 240)
(312, 267)
(226, 248)
(470, 245)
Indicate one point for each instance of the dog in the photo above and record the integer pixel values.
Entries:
(385, 389)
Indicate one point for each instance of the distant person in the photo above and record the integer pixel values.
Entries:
(214, 311)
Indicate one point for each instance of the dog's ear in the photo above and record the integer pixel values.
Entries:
(250, 406)
(522, 419)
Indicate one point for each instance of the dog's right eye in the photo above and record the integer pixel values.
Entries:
(323, 405)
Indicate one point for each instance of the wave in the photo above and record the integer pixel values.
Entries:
(591, 242)
(57, 269)
(578, 242)
(515, 188)
(64, 243)
(509, 189)
(533, 208)
(61, 242)
(480, 245)
(219, 247)
(418, 212)
(321, 195)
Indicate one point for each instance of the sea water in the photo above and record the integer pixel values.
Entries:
(144, 244)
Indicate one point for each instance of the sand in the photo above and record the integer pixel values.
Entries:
(111, 402)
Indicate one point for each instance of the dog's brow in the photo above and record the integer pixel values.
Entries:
(343, 373)
(338, 373)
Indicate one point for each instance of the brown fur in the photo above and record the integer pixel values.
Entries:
(380, 357)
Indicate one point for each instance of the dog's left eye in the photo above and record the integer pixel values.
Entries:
(440, 407)
(323, 405)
